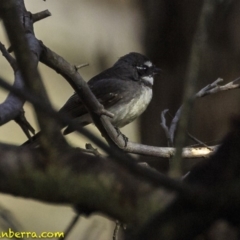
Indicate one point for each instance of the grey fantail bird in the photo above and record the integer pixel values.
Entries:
(125, 89)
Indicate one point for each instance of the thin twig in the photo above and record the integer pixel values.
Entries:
(24, 124)
(40, 15)
(215, 87)
(81, 66)
(207, 90)
(116, 230)
(92, 150)
(165, 127)
(70, 227)
(173, 125)
(198, 141)
(8, 57)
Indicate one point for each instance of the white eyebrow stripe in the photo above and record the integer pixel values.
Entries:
(140, 67)
(148, 63)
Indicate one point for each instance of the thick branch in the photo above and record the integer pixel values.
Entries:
(19, 26)
(99, 115)
(12, 105)
(122, 159)
(219, 178)
(96, 184)
(168, 152)
(91, 183)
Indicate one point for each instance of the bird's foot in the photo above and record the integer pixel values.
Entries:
(103, 111)
(123, 136)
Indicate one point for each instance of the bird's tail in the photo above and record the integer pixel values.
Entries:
(81, 121)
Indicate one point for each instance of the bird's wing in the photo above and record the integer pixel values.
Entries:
(73, 107)
(107, 91)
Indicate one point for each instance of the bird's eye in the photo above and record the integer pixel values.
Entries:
(142, 68)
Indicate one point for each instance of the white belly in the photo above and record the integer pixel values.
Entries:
(131, 110)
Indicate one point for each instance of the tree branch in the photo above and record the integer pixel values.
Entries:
(122, 159)
(40, 15)
(207, 90)
(219, 178)
(19, 26)
(12, 106)
(80, 179)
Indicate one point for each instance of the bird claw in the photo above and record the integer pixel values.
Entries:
(123, 136)
(106, 113)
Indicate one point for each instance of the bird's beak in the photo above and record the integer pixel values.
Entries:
(156, 70)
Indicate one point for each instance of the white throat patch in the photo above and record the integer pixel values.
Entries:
(148, 79)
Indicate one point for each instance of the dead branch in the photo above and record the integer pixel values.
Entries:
(205, 91)
(40, 15)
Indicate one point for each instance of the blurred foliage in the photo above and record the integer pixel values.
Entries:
(169, 27)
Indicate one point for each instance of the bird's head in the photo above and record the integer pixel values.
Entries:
(137, 67)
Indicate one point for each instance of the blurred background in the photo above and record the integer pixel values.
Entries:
(98, 32)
